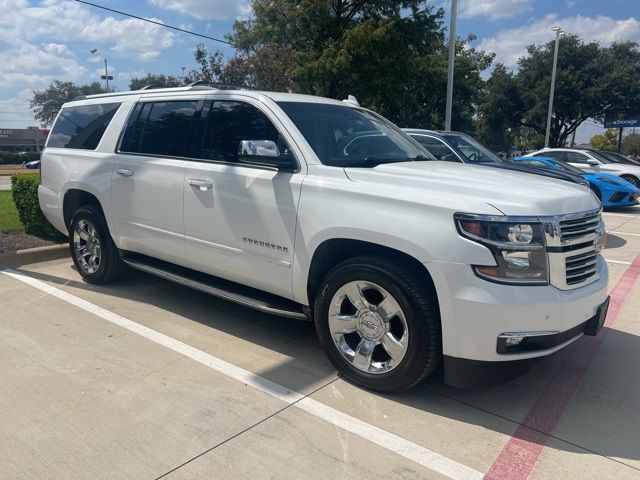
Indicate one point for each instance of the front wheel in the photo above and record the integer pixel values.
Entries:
(379, 323)
(92, 249)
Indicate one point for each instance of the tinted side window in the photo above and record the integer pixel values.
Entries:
(228, 124)
(575, 157)
(161, 128)
(435, 147)
(82, 127)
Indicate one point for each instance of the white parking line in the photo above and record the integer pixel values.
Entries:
(405, 448)
(626, 233)
(618, 262)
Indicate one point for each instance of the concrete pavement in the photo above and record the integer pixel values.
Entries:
(5, 182)
(83, 397)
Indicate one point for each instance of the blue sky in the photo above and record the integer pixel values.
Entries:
(42, 40)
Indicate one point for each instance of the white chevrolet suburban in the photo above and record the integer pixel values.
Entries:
(315, 208)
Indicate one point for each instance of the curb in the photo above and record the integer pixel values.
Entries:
(34, 255)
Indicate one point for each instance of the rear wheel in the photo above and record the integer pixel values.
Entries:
(379, 323)
(631, 179)
(92, 249)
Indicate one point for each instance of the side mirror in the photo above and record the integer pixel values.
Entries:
(449, 157)
(265, 152)
(592, 161)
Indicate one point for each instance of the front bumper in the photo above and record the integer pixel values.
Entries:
(465, 373)
(476, 312)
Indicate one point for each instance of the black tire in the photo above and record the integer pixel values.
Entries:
(418, 302)
(111, 267)
(631, 179)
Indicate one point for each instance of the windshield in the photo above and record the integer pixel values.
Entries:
(565, 167)
(619, 158)
(344, 136)
(473, 150)
(600, 156)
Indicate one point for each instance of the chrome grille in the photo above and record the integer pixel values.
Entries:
(580, 268)
(579, 227)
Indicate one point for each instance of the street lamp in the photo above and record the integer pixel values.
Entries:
(452, 58)
(559, 33)
(106, 77)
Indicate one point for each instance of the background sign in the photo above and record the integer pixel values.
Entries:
(622, 122)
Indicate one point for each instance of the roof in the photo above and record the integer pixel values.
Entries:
(205, 89)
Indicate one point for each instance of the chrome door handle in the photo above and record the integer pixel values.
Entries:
(124, 172)
(201, 184)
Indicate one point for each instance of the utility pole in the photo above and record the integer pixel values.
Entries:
(620, 140)
(106, 77)
(452, 58)
(559, 32)
(106, 74)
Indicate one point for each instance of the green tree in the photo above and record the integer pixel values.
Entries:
(591, 81)
(631, 145)
(158, 80)
(267, 68)
(498, 110)
(606, 141)
(390, 54)
(46, 103)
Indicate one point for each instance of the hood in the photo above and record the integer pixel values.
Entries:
(470, 188)
(608, 177)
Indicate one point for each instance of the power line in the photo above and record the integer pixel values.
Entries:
(154, 22)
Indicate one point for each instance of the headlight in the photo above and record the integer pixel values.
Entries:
(517, 245)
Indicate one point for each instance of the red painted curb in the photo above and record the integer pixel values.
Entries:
(519, 457)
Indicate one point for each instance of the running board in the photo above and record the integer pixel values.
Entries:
(233, 292)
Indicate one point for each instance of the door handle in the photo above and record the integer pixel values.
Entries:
(124, 172)
(201, 184)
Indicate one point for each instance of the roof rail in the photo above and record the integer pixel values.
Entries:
(221, 86)
(152, 86)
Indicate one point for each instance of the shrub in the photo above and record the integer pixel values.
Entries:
(25, 195)
(12, 158)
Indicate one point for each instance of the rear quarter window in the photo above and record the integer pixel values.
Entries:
(82, 127)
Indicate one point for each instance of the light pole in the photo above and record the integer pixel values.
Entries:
(559, 32)
(452, 58)
(106, 77)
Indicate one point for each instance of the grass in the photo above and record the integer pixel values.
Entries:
(9, 221)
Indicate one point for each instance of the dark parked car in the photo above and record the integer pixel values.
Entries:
(460, 147)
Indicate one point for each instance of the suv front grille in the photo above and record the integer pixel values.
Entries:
(581, 267)
(574, 250)
(580, 227)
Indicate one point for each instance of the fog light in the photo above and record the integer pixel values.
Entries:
(511, 341)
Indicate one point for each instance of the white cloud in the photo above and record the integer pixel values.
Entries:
(71, 21)
(57, 49)
(494, 9)
(206, 9)
(14, 111)
(509, 45)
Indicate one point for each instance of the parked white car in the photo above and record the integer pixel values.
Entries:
(290, 205)
(591, 162)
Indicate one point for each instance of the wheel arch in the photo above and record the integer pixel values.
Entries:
(333, 251)
(75, 198)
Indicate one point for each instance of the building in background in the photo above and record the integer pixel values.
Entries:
(30, 139)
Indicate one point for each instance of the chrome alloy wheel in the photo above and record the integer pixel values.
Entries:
(368, 326)
(86, 245)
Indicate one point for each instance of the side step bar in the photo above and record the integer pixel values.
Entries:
(233, 292)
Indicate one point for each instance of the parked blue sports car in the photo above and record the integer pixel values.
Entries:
(612, 190)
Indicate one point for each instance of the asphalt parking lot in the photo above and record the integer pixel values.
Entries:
(146, 379)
